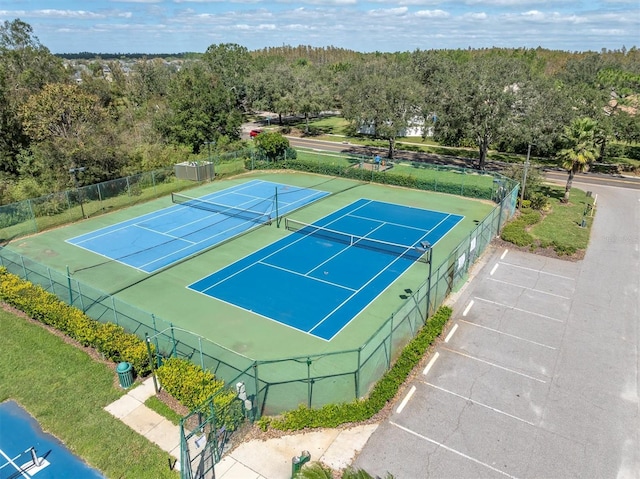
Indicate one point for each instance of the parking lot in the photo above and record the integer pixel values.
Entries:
(537, 373)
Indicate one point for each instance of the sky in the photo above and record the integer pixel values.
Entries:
(175, 26)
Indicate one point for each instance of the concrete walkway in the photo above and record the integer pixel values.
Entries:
(270, 459)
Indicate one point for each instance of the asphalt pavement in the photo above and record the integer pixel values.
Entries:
(537, 376)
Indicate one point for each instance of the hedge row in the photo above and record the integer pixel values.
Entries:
(107, 338)
(374, 176)
(515, 232)
(186, 382)
(192, 386)
(332, 415)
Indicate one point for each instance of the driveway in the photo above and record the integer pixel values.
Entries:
(537, 376)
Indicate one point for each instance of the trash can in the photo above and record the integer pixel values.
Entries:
(125, 374)
(298, 461)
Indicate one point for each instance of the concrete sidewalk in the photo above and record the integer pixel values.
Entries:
(270, 459)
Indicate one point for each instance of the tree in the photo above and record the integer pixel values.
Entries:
(200, 108)
(309, 93)
(477, 100)
(272, 144)
(384, 95)
(269, 88)
(580, 149)
(25, 67)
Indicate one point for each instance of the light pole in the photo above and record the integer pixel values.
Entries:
(524, 179)
(74, 172)
(212, 162)
(427, 247)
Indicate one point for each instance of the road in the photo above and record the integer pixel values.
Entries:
(556, 176)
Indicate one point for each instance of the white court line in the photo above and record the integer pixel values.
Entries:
(520, 309)
(433, 360)
(536, 270)
(504, 254)
(406, 399)
(530, 289)
(495, 365)
(466, 310)
(453, 330)
(499, 411)
(493, 270)
(509, 335)
(447, 448)
(18, 468)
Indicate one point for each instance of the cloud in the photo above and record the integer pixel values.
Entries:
(432, 14)
(384, 12)
(137, 1)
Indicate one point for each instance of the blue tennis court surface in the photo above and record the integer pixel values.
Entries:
(157, 240)
(49, 459)
(318, 279)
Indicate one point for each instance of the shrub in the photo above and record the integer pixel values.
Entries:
(530, 217)
(563, 249)
(109, 339)
(515, 233)
(332, 415)
(539, 201)
(192, 386)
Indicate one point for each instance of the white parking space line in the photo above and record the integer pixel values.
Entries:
(508, 335)
(466, 310)
(494, 365)
(499, 411)
(536, 270)
(453, 330)
(504, 254)
(530, 289)
(431, 361)
(519, 309)
(495, 267)
(454, 451)
(406, 399)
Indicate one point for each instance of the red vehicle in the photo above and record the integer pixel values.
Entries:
(254, 133)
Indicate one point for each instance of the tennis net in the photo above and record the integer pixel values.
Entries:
(412, 252)
(231, 211)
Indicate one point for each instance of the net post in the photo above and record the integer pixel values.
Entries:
(277, 212)
(34, 456)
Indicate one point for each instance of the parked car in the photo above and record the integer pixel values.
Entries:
(254, 133)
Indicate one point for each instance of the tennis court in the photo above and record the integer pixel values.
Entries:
(159, 239)
(319, 277)
(26, 451)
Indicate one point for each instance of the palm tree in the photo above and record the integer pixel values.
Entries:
(580, 151)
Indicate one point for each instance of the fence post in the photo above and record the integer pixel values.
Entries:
(33, 216)
(309, 388)
(115, 312)
(201, 355)
(24, 268)
(358, 373)
(155, 335)
(81, 298)
(173, 342)
(257, 385)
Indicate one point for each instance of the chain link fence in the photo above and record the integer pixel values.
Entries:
(275, 385)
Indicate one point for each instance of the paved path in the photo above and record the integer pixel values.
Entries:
(538, 374)
(271, 459)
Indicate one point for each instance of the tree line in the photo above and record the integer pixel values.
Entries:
(153, 112)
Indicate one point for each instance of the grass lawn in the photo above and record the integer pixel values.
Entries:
(562, 224)
(66, 391)
(560, 227)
